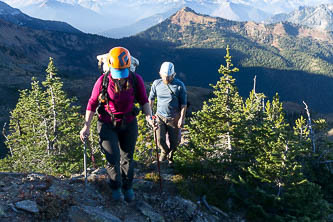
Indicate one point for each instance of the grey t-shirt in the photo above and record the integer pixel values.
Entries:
(168, 103)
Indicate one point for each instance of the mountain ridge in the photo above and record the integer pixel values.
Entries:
(320, 17)
(186, 17)
(15, 16)
(80, 17)
(129, 12)
(267, 50)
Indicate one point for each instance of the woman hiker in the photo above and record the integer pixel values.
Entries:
(113, 97)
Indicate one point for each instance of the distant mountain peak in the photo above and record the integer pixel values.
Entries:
(187, 9)
(186, 16)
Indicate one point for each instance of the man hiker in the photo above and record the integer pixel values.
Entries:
(171, 109)
(113, 98)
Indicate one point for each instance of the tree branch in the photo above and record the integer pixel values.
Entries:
(5, 136)
(310, 127)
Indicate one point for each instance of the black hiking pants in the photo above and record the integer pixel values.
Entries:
(118, 144)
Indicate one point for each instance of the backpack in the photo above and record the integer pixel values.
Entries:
(104, 98)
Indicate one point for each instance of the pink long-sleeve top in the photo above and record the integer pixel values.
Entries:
(120, 102)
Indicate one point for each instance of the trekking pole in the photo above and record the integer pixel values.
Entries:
(85, 161)
(157, 156)
(92, 154)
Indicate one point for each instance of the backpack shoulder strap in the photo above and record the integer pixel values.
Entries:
(104, 98)
(105, 84)
(171, 90)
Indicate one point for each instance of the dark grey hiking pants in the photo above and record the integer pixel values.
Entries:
(118, 145)
(168, 126)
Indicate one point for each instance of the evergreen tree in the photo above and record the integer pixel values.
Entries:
(318, 165)
(212, 128)
(254, 148)
(272, 146)
(247, 131)
(269, 160)
(44, 129)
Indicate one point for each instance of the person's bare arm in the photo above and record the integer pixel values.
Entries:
(151, 103)
(181, 120)
(85, 130)
(146, 108)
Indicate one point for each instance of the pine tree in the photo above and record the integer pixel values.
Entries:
(266, 148)
(247, 133)
(270, 159)
(318, 165)
(253, 148)
(272, 145)
(26, 130)
(44, 129)
(212, 128)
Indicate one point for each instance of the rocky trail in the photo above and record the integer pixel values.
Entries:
(39, 197)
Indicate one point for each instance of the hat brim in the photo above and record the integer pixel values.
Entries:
(119, 73)
(166, 75)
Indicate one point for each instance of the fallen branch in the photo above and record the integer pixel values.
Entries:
(212, 209)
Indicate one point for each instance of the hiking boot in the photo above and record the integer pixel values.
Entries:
(163, 157)
(116, 194)
(171, 163)
(129, 195)
(170, 158)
